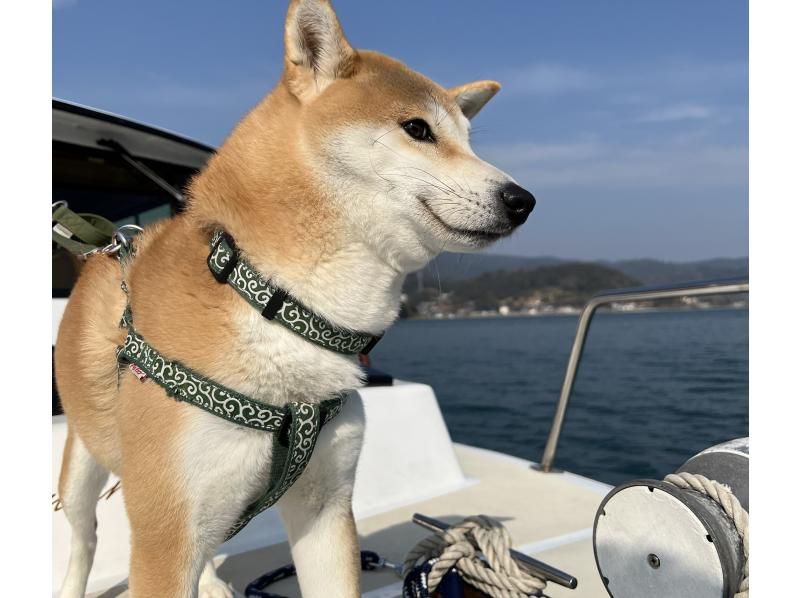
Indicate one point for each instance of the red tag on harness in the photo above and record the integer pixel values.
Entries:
(137, 371)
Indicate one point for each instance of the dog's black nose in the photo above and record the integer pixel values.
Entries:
(518, 202)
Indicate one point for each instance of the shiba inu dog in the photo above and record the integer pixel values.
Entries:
(351, 173)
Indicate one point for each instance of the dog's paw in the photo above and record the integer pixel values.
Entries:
(216, 588)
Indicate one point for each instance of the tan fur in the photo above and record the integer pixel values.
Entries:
(105, 409)
(85, 359)
(472, 96)
(271, 186)
(161, 543)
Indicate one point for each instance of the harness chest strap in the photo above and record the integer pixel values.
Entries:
(230, 267)
(295, 427)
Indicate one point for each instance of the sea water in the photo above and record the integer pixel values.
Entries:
(653, 388)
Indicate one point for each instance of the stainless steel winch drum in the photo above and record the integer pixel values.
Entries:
(653, 539)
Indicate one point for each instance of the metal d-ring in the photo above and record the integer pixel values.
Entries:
(59, 204)
(120, 239)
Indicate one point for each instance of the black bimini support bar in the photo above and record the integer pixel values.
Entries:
(117, 147)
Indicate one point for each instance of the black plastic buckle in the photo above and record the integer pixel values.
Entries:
(222, 276)
(371, 344)
(274, 304)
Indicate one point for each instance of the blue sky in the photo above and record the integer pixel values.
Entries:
(627, 120)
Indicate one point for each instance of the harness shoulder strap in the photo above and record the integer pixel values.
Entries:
(184, 384)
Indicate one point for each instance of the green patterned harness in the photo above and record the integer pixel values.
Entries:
(229, 266)
(295, 426)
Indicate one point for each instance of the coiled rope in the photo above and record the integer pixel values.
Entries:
(497, 574)
(733, 509)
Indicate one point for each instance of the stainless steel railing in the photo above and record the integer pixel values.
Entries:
(697, 289)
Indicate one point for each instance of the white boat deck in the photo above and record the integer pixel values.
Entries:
(408, 465)
(549, 516)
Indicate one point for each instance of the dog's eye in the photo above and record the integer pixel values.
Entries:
(418, 129)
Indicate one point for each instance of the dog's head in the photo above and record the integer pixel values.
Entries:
(393, 145)
(387, 148)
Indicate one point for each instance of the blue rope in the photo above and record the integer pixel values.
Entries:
(415, 584)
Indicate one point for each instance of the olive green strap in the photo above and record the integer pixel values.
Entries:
(80, 233)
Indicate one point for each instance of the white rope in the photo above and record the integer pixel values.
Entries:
(732, 507)
(497, 574)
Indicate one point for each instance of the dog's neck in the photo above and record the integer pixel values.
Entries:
(350, 286)
(290, 231)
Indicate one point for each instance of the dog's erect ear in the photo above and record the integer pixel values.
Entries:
(317, 51)
(473, 96)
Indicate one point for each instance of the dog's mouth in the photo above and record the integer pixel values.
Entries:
(475, 236)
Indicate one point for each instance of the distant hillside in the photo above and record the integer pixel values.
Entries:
(469, 284)
(653, 272)
(546, 287)
(559, 284)
(453, 267)
(463, 266)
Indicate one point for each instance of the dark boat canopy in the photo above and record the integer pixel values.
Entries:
(116, 167)
(128, 172)
(82, 126)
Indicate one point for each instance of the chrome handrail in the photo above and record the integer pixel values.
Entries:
(693, 289)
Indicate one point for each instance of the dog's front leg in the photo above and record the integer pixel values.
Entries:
(324, 549)
(318, 515)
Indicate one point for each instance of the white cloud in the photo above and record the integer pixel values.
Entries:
(697, 100)
(676, 112)
(632, 84)
(547, 79)
(692, 73)
(525, 154)
(599, 166)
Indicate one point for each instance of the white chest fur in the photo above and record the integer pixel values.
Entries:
(275, 365)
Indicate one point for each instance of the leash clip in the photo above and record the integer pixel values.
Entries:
(121, 239)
